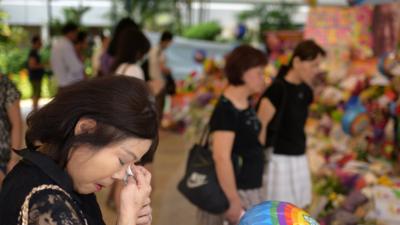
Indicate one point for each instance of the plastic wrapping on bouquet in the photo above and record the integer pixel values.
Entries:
(355, 119)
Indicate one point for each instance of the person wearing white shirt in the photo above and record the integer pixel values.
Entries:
(65, 63)
(132, 45)
(131, 70)
(99, 51)
(158, 69)
(157, 59)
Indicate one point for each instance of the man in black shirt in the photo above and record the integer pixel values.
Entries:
(36, 71)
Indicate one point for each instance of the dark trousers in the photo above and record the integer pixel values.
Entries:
(160, 103)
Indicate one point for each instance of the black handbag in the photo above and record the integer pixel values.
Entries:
(200, 183)
(170, 86)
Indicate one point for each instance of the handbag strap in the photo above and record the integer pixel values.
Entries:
(24, 212)
(205, 135)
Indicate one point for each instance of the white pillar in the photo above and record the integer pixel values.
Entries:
(44, 33)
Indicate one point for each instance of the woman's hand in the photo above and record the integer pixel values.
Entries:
(234, 212)
(135, 198)
(144, 217)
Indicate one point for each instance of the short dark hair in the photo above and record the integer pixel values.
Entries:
(166, 36)
(122, 25)
(69, 27)
(121, 106)
(81, 37)
(240, 60)
(35, 39)
(132, 45)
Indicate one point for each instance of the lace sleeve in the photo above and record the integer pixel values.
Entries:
(52, 207)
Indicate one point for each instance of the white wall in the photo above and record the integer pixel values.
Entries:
(34, 12)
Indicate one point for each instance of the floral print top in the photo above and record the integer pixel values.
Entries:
(8, 95)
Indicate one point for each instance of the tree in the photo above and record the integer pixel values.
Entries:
(12, 55)
(272, 17)
(147, 12)
(71, 14)
(75, 14)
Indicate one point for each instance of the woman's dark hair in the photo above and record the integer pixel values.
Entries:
(35, 39)
(121, 106)
(131, 47)
(121, 26)
(240, 60)
(306, 50)
(166, 36)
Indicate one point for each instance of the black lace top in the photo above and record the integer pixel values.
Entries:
(46, 206)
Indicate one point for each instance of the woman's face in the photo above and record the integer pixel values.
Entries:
(308, 69)
(92, 169)
(254, 79)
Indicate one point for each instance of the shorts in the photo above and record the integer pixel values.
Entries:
(36, 87)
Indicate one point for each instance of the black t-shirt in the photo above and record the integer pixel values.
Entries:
(35, 74)
(291, 102)
(247, 153)
(67, 207)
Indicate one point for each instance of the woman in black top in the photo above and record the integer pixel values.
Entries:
(89, 135)
(234, 131)
(283, 111)
(36, 71)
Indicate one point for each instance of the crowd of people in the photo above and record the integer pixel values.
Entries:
(103, 131)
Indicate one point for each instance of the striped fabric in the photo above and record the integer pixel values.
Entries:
(288, 179)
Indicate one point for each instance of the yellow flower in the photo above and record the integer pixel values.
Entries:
(332, 196)
(386, 181)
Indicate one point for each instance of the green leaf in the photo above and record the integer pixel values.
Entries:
(205, 31)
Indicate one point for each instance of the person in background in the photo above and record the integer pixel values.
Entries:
(78, 146)
(234, 129)
(10, 126)
(131, 47)
(283, 110)
(81, 45)
(36, 71)
(107, 59)
(158, 69)
(65, 63)
(98, 52)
